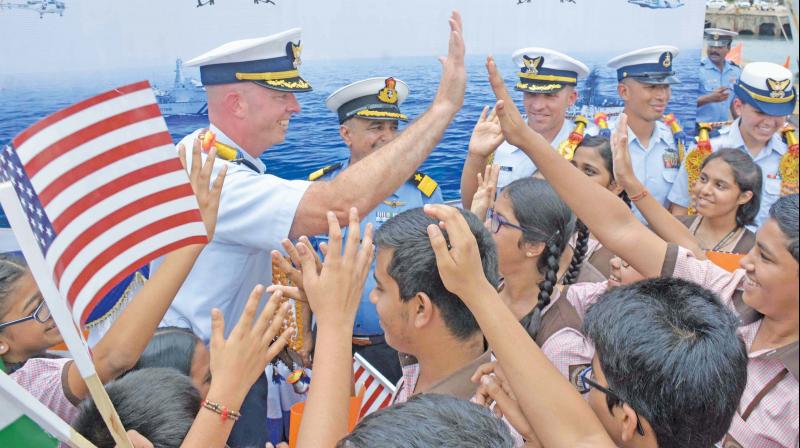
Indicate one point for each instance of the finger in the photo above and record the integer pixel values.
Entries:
(219, 181)
(270, 312)
(444, 260)
(458, 232)
(284, 264)
(289, 292)
(496, 81)
(494, 175)
(217, 341)
(334, 237)
(196, 160)
(480, 180)
(280, 343)
(483, 114)
(353, 235)
(364, 260)
(493, 114)
(291, 251)
(307, 264)
(273, 326)
(205, 169)
(304, 239)
(483, 369)
(248, 315)
(323, 248)
(182, 155)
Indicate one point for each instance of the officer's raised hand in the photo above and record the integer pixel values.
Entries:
(454, 75)
(515, 130)
(207, 194)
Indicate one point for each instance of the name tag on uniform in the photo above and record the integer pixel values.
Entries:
(671, 160)
(506, 168)
(384, 216)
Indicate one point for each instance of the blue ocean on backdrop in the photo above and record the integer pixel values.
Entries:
(313, 140)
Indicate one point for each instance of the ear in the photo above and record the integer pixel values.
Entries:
(622, 91)
(235, 103)
(344, 132)
(573, 96)
(534, 249)
(737, 106)
(745, 197)
(4, 346)
(422, 310)
(628, 423)
(615, 188)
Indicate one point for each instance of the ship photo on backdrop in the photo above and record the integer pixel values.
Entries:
(50, 61)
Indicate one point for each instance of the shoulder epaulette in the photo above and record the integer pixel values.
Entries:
(323, 171)
(424, 183)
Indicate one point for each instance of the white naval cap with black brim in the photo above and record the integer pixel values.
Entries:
(272, 62)
(651, 65)
(543, 70)
(717, 37)
(768, 87)
(371, 99)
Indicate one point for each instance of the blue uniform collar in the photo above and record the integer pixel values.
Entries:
(706, 62)
(660, 132)
(735, 139)
(221, 137)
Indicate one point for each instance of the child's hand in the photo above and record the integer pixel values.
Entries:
(200, 178)
(484, 197)
(487, 134)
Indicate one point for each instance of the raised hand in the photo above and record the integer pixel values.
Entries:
(487, 134)
(237, 362)
(459, 262)
(334, 292)
(484, 197)
(200, 176)
(515, 130)
(495, 393)
(623, 167)
(453, 83)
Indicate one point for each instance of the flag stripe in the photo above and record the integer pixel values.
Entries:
(108, 206)
(100, 161)
(106, 223)
(117, 234)
(370, 401)
(39, 126)
(136, 265)
(110, 188)
(84, 135)
(95, 147)
(123, 245)
(110, 270)
(359, 372)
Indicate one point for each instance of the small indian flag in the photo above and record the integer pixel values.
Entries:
(17, 414)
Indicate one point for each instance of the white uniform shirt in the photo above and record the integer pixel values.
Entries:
(515, 164)
(256, 212)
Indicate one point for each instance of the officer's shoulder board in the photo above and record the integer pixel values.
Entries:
(323, 171)
(424, 183)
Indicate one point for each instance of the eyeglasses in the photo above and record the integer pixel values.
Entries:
(498, 221)
(41, 314)
(585, 383)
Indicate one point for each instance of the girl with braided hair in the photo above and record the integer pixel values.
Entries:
(532, 226)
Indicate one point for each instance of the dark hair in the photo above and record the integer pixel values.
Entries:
(547, 219)
(413, 265)
(603, 147)
(669, 348)
(785, 212)
(579, 255)
(159, 404)
(12, 268)
(747, 176)
(428, 420)
(171, 347)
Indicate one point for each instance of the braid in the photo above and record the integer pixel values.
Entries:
(626, 199)
(581, 247)
(546, 285)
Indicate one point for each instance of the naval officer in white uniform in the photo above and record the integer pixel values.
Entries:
(251, 86)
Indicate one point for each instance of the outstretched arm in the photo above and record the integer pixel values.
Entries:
(486, 137)
(608, 218)
(367, 183)
(661, 221)
(120, 348)
(558, 415)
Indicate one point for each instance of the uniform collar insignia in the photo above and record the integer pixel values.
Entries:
(394, 203)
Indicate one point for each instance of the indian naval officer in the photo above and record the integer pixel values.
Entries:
(369, 114)
(765, 95)
(717, 77)
(251, 86)
(548, 80)
(645, 78)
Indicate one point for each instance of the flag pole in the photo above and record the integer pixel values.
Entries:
(21, 399)
(60, 312)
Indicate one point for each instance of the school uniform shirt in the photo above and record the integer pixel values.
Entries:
(769, 420)
(769, 159)
(406, 197)
(712, 78)
(46, 380)
(515, 164)
(256, 212)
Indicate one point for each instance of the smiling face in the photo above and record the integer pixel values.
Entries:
(771, 284)
(755, 125)
(546, 111)
(394, 314)
(716, 191)
(364, 136)
(622, 273)
(645, 101)
(23, 340)
(266, 113)
(717, 54)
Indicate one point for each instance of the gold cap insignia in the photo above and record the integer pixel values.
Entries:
(667, 63)
(777, 88)
(532, 64)
(388, 94)
(296, 49)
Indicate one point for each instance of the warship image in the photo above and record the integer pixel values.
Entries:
(591, 100)
(186, 97)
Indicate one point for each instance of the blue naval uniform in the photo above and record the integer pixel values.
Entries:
(406, 197)
(769, 159)
(256, 212)
(515, 164)
(657, 165)
(712, 78)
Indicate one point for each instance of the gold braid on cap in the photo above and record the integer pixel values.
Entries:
(696, 158)
(789, 162)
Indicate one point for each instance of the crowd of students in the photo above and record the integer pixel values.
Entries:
(544, 313)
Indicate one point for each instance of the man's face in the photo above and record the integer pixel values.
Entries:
(755, 124)
(546, 111)
(267, 113)
(717, 54)
(365, 136)
(395, 315)
(646, 101)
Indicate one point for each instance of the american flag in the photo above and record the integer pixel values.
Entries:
(378, 391)
(103, 191)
